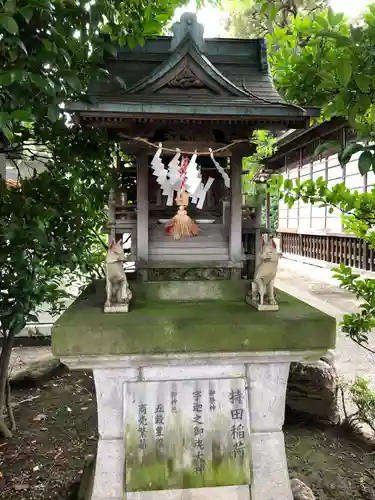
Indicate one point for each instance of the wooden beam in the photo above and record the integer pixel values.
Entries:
(235, 230)
(132, 147)
(142, 206)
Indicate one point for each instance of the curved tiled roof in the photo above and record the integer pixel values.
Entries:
(177, 74)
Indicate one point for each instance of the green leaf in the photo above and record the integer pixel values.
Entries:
(27, 13)
(21, 45)
(363, 81)
(106, 29)
(18, 75)
(50, 47)
(288, 184)
(352, 112)
(344, 71)
(349, 150)
(322, 21)
(6, 78)
(66, 57)
(39, 81)
(17, 323)
(7, 132)
(341, 39)
(10, 6)
(131, 41)
(161, 18)
(264, 9)
(53, 113)
(273, 11)
(326, 146)
(74, 82)
(152, 28)
(21, 115)
(331, 17)
(9, 24)
(365, 162)
(111, 49)
(4, 119)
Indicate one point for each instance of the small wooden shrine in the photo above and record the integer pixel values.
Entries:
(191, 383)
(190, 94)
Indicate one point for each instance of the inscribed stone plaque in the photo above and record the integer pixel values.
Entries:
(186, 434)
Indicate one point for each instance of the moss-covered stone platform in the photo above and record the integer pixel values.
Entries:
(155, 327)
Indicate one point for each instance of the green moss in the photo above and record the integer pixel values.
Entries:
(180, 327)
(154, 469)
(157, 476)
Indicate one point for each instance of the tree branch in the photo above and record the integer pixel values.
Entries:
(8, 405)
(362, 345)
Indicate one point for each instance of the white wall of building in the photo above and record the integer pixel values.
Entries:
(25, 167)
(305, 217)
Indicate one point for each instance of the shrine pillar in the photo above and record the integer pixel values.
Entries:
(235, 229)
(142, 206)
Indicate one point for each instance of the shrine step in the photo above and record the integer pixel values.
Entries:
(215, 232)
(181, 264)
(161, 250)
(200, 256)
(194, 290)
(196, 242)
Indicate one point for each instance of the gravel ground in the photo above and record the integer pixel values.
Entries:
(317, 287)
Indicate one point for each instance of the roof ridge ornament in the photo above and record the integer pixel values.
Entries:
(188, 27)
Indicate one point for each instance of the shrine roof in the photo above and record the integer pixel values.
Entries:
(188, 75)
(290, 143)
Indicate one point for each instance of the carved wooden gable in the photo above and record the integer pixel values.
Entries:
(187, 68)
(186, 79)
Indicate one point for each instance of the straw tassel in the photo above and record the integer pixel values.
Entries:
(181, 224)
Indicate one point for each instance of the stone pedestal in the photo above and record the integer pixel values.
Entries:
(265, 378)
(261, 307)
(117, 308)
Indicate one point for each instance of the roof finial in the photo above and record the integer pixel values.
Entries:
(188, 26)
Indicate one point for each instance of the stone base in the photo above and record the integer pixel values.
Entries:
(261, 307)
(194, 290)
(266, 375)
(117, 308)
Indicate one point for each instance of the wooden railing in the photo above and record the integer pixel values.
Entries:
(335, 249)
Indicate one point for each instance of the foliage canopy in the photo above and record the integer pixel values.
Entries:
(49, 52)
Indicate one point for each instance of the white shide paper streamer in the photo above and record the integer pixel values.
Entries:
(220, 169)
(169, 179)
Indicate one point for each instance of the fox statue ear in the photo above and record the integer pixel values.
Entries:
(273, 243)
(112, 242)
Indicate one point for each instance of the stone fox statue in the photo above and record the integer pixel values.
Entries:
(265, 273)
(117, 288)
